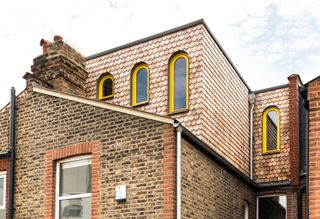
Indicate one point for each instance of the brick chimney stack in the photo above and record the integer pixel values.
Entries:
(62, 66)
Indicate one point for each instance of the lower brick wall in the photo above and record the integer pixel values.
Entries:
(209, 191)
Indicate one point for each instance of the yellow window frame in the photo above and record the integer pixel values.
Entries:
(171, 82)
(100, 86)
(134, 84)
(264, 130)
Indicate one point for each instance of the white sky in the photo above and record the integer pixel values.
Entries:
(266, 39)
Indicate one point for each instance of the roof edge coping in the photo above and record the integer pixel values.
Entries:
(103, 105)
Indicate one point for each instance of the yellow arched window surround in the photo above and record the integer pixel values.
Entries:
(140, 85)
(105, 86)
(178, 83)
(271, 130)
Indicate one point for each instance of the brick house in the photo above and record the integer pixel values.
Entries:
(163, 127)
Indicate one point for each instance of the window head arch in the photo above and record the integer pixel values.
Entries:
(140, 84)
(178, 82)
(271, 130)
(105, 86)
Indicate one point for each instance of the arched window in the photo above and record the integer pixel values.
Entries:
(105, 86)
(271, 130)
(178, 82)
(140, 85)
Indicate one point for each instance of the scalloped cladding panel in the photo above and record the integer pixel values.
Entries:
(222, 124)
(271, 167)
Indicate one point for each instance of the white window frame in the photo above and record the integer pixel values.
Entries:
(272, 195)
(246, 210)
(3, 175)
(60, 198)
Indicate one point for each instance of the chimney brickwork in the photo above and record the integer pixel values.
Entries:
(62, 66)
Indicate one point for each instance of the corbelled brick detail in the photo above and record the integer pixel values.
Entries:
(314, 149)
(222, 124)
(169, 175)
(62, 66)
(276, 166)
(294, 82)
(54, 155)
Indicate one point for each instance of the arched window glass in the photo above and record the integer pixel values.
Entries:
(271, 130)
(140, 85)
(105, 86)
(178, 86)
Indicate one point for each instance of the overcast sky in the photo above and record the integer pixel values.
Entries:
(267, 40)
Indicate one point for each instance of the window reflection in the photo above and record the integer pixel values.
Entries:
(272, 128)
(272, 207)
(75, 208)
(107, 87)
(180, 79)
(1, 191)
(75, 178)
(142, 85)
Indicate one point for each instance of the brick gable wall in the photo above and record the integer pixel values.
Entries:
(133, 151)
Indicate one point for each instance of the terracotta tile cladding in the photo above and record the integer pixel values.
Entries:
(218, 99)
(276, 166)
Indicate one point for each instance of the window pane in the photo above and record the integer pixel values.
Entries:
(246, 211)
(272, 127)
(273, 207)
(1, 191)
(2, 214)
(180, 78)
(142, 85)
(75, 177)
(75, 208)
(107, 87)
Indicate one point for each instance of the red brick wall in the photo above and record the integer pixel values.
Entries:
(294, 82)
(314, 149)
(303, 205)
(169, 172)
